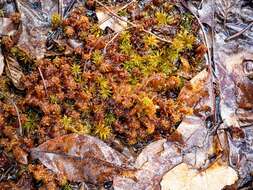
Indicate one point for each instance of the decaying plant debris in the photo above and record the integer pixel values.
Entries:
(154, 80)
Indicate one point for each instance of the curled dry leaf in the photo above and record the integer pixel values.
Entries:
(83, 158)
(14, 72)
(237, 100)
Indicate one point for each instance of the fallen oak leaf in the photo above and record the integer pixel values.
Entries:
(14, 72)
(83, 158)
(183, 177)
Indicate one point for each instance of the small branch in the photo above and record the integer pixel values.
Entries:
(240, 32)
(43, 80)
(130, 23)
(68, 8)
(18, 115)
(16, 109)
(113, 38)
(122, 8)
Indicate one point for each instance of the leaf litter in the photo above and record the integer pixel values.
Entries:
(196, 143)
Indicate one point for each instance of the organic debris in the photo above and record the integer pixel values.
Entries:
(75, 76)
(113, 71)
(83, 158)
(183, 177)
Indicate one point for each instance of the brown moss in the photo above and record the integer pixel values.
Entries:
(130, 91)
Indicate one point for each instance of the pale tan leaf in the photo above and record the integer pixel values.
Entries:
(106, 20)
(7, 27)
(183, 177)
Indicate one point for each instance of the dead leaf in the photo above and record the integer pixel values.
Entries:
(7, 27)
(183, 177)
(196, 90)
(82, 158)
(205, 12)
(14, 72)
(152, 163)
(20, 155)
(106, 20)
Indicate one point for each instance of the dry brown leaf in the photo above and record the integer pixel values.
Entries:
(20, 155)
(197, 89)
(14, 72)
(82, 158)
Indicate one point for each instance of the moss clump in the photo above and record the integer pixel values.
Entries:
(103, 132)
(56, 20)
(97, 57)
(151, 41)
(104, 88)
(76, 72)
(128, 91)
(163, 18)
(125, 43)
(74, 126)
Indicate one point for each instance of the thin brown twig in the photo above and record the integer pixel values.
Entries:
(132, 24)
(122, 8)
(43, 80)
(16, 109)
(113, 38)
(240, 32)
(18, 115)
(209, 59)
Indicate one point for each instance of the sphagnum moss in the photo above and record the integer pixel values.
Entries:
(128, 91)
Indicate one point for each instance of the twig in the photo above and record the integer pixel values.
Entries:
(240, 32)
(122, 8)
(210, 67)
(16, 109)
(68, 8)
(43, 80)
(18, 115)
(113, 38)
(130, 23)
